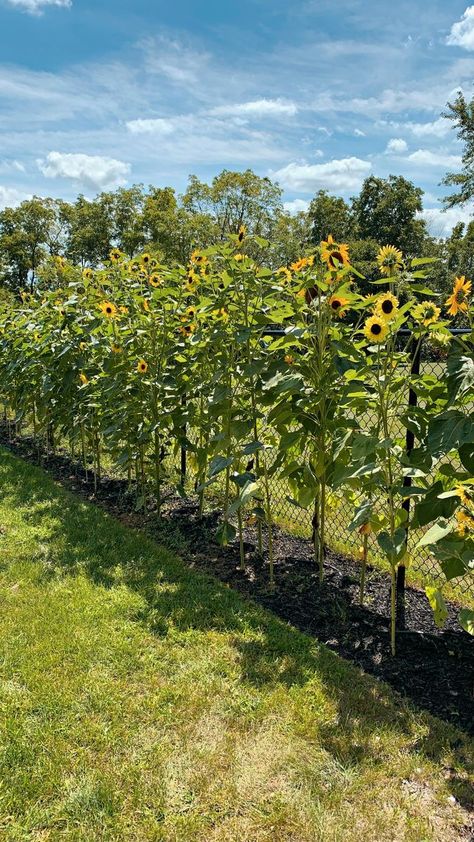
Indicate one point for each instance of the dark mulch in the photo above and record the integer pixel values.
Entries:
(433, 667)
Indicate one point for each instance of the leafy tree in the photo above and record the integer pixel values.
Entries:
(25, 232)
(387, 211)
(125, 208)
(91, 230)
(461, 113)
(330, 215)
(234, 199)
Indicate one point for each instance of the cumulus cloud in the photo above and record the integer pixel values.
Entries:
(437, 128)
(93, 171)
(462, 32)
(10, 197)
(158, 125)
(296, 205)
(343, 174)
(426, 157)
(36, 7)
(257, 108)
(441, 222)
(396, 146)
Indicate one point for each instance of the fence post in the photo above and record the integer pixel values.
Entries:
(415, 358)
(183, 465)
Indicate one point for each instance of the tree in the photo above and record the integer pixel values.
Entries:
(124, 209)
(234, 199)
(387, 210)
(25, 232)
(91, 230)
(330, 215)
(461, 113)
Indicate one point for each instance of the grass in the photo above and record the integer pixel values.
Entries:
(142, 701)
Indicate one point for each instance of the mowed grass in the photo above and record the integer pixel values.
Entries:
(142, 701)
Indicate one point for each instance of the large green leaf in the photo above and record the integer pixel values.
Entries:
(466, 620)
(460, 377)
(449, 431)
(436, 600)
(432, 506)
(394, 548)
(466, 455)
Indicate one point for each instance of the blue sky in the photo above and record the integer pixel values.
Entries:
(313, 93)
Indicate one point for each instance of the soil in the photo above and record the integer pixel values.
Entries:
(433, 667)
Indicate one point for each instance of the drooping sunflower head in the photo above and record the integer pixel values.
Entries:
(426, 313)
(302, 263)
(285, 273)
(337, 304)
(241, 233)
(156, 280)
(458, 301)
(386, 306)
(108, 309)
(334, 255)
(376, 329)
(390, 261)
(142, 367)
(116, 255)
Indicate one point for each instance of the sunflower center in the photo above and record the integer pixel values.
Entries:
(336, 304)
(376, 329)
(387, 307)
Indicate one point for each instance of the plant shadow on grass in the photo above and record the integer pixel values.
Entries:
(86, 540)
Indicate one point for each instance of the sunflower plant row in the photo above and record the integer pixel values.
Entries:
(137, 360)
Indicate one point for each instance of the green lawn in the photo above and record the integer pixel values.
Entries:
(142, 701)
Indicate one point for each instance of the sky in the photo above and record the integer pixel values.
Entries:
(315, 94)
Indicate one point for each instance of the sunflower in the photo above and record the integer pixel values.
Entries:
(115, 255)
(146, 305)
(286, 274)
(142, 367)
(87, 274)
(187, 330)
(116, 349)
(192, 281)
(199, 258)
(221, 313)
(426, 313)
(239, 257)
(84, 380)
(123, 309)
(458, 300)
(302, 263)
(156, 280)
(337, 304)
(376, 329)
(390, 260)
(241, 234)
(108, 309)
(134, 266)
(466, 496)
(334, 254)
(289, 359)
(145, 259)
(465, 523)
(386, 306)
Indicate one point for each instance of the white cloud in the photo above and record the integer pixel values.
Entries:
(462, 32)
(296, 205)
(93, 171)
(11, 166)
(35, 7)
(343, 174)
(159, 125)
(396, 146)
(10, 197)
(257, 108)
(441, 222)
(359, 133)
(437, 128)
(426, 157)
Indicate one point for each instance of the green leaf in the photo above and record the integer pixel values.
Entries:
(436, 600)
(394, 548)
(434, 506)
(218, 464)
(225, 534)
(466, 455)
(449, 431)
(466, 620)
(460, 377)
(438, 531)
(284, 383)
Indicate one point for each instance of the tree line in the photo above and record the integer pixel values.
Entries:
(386, 211)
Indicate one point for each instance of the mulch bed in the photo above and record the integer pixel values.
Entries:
(433, 667)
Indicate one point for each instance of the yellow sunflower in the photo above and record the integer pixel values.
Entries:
(337, 303)
(466, 495)
(241, 234)
(289, 359)
(87, 274)
(333, 254)
(302, 263)
(426, 313)
(221, 313)
(286, 274)
(192, 281)
(145, 259)
(199, 258)
(390, 260)
(187, 330)
(108, 309)
(115, 255)
(458, 300)
(239, 257)
(116, 349)
(142, 367)
(134, 266)
(465, 523)
(376, 329)
(386, 306)
(156, 280)
(146, 305)
(84, 380)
